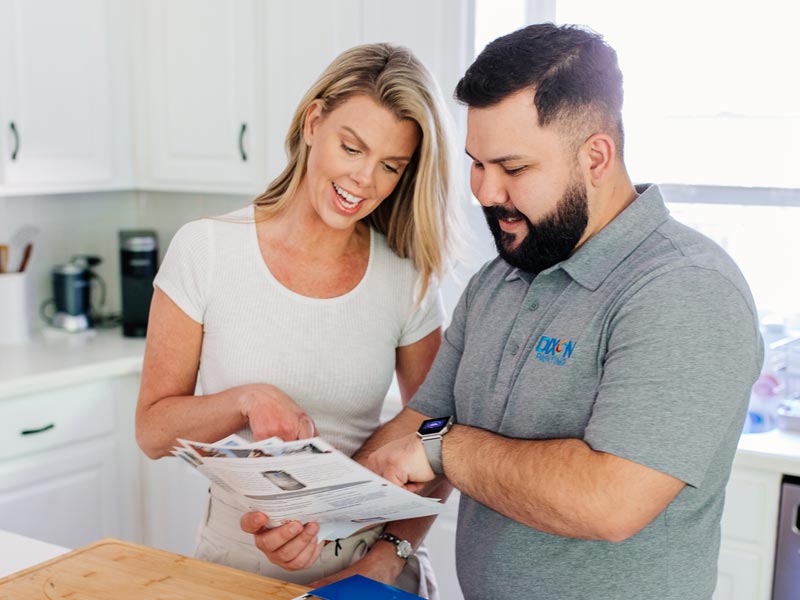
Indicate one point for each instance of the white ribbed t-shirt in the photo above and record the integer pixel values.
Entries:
(335, 357)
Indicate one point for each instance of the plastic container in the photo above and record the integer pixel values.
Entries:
(788, 416)
(762, 411)
(15, 323)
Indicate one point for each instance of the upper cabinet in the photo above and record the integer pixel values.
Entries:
(185, 95)
(56, 97)
(304, 37)
(220, 80)
(199, 125)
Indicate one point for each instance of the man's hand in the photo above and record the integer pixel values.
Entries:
(403, 462)
(291, 546)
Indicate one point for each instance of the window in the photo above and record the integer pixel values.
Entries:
(712, 109)
(712, 94)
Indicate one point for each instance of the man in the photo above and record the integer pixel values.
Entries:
(598, 371)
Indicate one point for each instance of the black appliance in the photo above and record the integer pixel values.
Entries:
(72, 294)
(138, 261)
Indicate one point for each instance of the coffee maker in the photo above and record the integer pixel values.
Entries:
(138, 261)
(72, 294)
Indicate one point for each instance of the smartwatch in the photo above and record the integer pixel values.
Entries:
(403, 548)
(431, 432)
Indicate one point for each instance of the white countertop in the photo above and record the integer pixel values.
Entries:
(18, 552)
(54, 361)
(775, 450)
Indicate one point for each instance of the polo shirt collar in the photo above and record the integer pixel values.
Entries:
(601, 254)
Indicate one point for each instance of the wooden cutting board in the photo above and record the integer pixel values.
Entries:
(113, 569)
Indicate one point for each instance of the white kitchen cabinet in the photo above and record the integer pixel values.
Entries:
(69, 465)
(198, 120)
(442, 39)
(174, 497)
(749, 521)
(58, 465)
(64, 497)
(297, 49)
(56, 99)
(212, 70)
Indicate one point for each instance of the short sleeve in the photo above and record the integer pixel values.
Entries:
(424, 318)
(185, 272)
(436, 396)
(683, 352)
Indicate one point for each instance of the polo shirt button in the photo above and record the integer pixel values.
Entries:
(513, 347)
(533, 305)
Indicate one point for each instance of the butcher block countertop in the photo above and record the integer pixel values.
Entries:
(112, 568)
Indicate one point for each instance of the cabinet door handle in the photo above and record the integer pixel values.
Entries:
(47, 427)
(241, 142)
(13, 127)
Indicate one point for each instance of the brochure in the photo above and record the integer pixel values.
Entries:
(304, 480)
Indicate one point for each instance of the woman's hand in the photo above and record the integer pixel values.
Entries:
(291, 546)
(270, 412)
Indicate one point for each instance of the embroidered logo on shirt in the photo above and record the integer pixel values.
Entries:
(554, 350)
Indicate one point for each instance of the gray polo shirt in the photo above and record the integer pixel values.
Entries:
(645, 344)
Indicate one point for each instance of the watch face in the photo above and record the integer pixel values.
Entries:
(433, 425)
(404, 549)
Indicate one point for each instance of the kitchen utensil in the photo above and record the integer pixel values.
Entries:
(26, 256)
(19, 241)
(114, 569)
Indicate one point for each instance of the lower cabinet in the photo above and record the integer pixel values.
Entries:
(749, 526)
(740, 575)
(63, 477)
(174, 501)
(65, 496)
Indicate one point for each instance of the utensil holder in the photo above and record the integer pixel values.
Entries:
(15, 324)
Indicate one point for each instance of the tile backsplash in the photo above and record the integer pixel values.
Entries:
(72, 224)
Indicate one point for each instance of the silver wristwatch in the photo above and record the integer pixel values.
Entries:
(403, 548)
(431, 432)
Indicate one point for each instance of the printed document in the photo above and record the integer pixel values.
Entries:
(303, 480)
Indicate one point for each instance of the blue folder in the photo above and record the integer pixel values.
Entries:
(357, 587)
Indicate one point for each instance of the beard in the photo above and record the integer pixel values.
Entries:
(550, 240)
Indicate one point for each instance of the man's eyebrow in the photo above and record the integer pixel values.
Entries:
(499, 159)
(366, 147)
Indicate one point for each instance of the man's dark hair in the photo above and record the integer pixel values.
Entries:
(574, 72)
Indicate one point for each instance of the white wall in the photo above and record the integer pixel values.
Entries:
(88, 224)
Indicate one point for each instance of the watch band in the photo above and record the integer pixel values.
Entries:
(433, 450)
(403, 548)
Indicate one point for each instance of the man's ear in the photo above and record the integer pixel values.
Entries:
(311, 121)
(597, 156)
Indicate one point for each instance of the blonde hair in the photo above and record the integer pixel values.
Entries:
(419, 218)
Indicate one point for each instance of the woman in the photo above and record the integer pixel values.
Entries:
(294, 313)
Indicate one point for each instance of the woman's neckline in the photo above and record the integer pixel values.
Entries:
(270, 276)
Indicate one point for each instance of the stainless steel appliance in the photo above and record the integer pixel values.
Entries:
(786, 583)
(138, 261)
